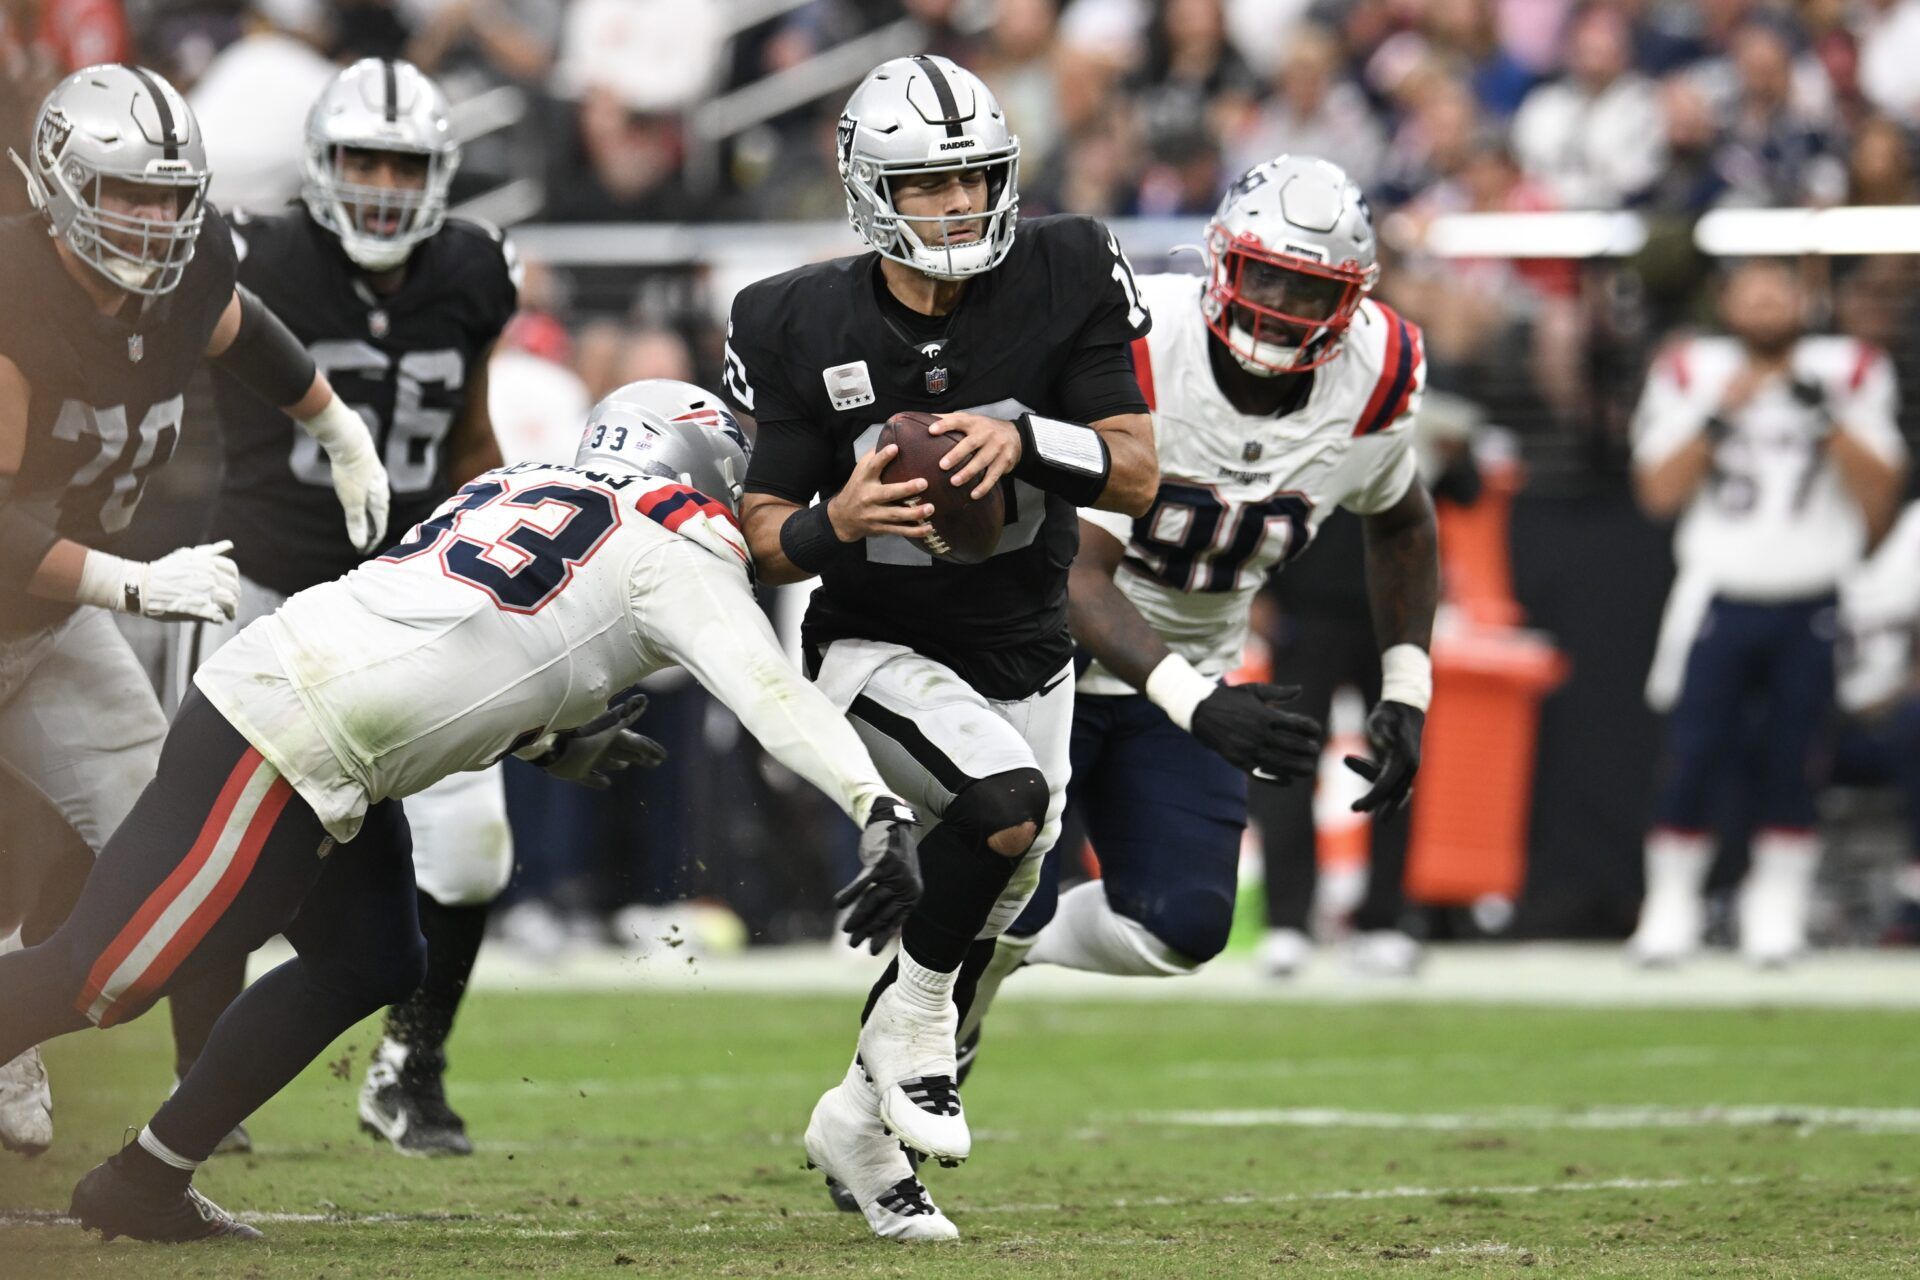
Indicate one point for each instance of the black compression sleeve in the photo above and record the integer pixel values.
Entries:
(265, 356)
(791, 460)
(1099, 382)
(28, 532)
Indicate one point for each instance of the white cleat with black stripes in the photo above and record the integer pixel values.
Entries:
(908, 1051)
(26, 1105)
(846, 1142)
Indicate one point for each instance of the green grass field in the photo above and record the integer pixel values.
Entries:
(657, 1134)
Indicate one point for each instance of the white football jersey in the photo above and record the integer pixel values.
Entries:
(1241, 494)
(520, 607)
(1774, 522)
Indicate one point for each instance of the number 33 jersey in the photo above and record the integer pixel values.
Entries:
(403, 361)
(521, 606)
(1242, 494)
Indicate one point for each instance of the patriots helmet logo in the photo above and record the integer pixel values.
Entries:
(714, 418)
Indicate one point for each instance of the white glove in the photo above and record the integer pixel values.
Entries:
(359, 481)
(191, 584)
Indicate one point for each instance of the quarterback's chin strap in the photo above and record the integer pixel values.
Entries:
(1062, 457)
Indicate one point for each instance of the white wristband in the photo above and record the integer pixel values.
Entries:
(1176, 688)
(1406, 676)
(110, 582)
(339, 429)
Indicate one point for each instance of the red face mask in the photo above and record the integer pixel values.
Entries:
(1279, 311)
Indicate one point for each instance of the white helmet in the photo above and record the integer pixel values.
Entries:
(123, 124)
(379, 104)
(659, 427)
(926, 115)
(1290, 254)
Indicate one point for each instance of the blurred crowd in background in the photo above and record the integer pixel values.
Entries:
(703, 111)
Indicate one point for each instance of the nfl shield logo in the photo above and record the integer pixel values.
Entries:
(136, 347)
(377, 324)
(1250, 452)
(936, 380)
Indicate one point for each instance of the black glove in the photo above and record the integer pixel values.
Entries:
(590, 753)
(1245, 724)
(1393, 734)
(883, 895)
(1810, 394)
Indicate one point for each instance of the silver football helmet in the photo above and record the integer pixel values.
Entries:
(659, 427)
(379, 104)
(118, 170)
(1290, 254)
(920, 115)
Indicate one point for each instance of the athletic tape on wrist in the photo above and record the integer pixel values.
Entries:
(1177, 689)
(339, 430)
(1406, 676)
(110, 582)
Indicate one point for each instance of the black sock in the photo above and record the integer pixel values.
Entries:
(425, 1021)
(195, 1006)
(962, 882)
(143, 1168)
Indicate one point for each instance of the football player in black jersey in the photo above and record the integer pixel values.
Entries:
(958, 677)
(117, 285)
(401, 306)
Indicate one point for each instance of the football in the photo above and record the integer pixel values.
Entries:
(964, 531)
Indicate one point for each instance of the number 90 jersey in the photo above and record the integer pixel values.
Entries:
(403, 361)
(520, 606)
(1242, 494)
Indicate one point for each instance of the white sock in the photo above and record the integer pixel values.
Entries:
(1087, 933)
(1678, 861)
(928, 988)
(1789, 859)
(164, 1154)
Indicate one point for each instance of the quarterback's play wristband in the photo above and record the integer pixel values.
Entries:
(1176, 688)
(1406, 676)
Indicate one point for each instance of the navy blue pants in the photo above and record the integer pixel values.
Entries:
(1165, 816)
(1758, 693)
(217, 856)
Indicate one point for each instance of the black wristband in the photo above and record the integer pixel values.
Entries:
(265, 356)
(1062, 457)
(808, 540)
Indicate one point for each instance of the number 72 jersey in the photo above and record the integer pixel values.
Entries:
(1242, 494)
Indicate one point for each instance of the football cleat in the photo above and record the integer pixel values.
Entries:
(404, 1100)
(26, 1105)
(1284, 952)
(1773, 908)
(109, 1202)
(1383, 953)
(1673, 915)
(866, 1169)
(908, 1051)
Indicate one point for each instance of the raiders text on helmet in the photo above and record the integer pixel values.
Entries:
(659, 427)
(1290, 254)
(118, 169)
(921, 115)
(379, 104)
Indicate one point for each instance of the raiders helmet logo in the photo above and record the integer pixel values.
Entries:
(55, 128)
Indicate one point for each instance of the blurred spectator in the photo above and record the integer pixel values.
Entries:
(1183, 176)
(622, 165)
(652, 56)
(1434, 138)
(1191, 71)
(612, 355)
(40, 42)
(1890, 58)
(1463, 33)
(493, 39)
(366, 29)
(1781, 455)
(1594, 135)
(1263, 30)
(536, 400)
(1017, 65)
(1315, 109)
(1776, 150)
(1691, 181)
(252, 103)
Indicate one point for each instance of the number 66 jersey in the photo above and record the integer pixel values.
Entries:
(1243, 494)
(520, 607)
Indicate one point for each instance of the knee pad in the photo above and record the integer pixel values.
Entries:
(1194, 922)
(997, 803)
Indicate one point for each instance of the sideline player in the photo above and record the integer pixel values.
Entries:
(400, 305)
(116, 287)
(1280, 392)
(959, 678)
(505, 622)
(1780, 453)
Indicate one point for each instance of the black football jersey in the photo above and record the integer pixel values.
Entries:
(821, 358)
(106, 391)
(402, 361)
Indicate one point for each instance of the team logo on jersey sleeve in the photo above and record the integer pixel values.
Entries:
(849, 385)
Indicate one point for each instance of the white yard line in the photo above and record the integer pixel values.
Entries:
(1787, 1115)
